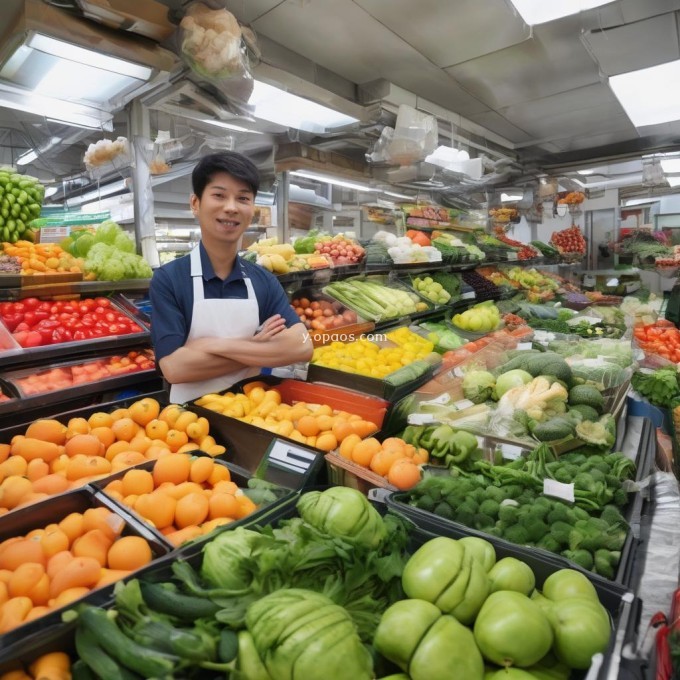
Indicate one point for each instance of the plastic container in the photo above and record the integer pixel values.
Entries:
(22, 521)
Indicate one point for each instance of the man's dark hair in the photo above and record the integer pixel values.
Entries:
(234, 164)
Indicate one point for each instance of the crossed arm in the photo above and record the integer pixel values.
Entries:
(205, 358)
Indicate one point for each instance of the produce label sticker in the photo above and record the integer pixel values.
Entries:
(287, 456)
(510, 451)
(470, 295)
(558, 490)
(420, 418)
(524, 345)
(463, 404)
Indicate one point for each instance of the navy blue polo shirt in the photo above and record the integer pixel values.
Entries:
(172, 298)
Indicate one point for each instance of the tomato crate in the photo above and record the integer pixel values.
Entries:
(52, 510)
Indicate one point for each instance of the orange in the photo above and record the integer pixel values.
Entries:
(48, 430)
(94, 543)
(30, 580)
(157, 429)
(4, 452)
(13, 490)
(383, 461)
(125, 429)
(67, 596)
(191, 509)
(116, 448)
(325, 422)
(249, 387)
(58, 561)
(129, 552)
(81, 466)
(201, 469)
(14, 465)
(170, 414)
(72, 525)
(51, 484)
(158, 507)
(348, 444)
(21, 551)
(326, 441)
(421, 456)
(120, 413)
(404, 474)
(393, 443)
(116, 486)
(212, 524)
(30, 448)
(223, 505)
(175, 439)
(173, 467)
(225, 486)
(220, 473)
(86, 444)
(104, 434)
(364, 450)
(77, 426)
(137, 482)
(364, 428)
(183, 535)
(36, 469)
(307, 426)
(126, 459)
(140, 442)
(156, 450)
(144, 411)
(54, 541)
(102, 518)
(341, 429)
(246, 506)
(100, 419)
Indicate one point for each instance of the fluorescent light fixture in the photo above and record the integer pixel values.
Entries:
(585, 172)
(648, 95)
(81, 55)
(190, 115)
(283, 108)
(68, 80)
(507, 198)
(670, 164)
(404, 196)
(32, 154)
(673, 181)
(540, 11)
(333, 180)
(99, 193)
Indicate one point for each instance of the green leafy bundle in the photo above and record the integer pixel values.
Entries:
(660, 388)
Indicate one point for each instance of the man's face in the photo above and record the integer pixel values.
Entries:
(225, 210)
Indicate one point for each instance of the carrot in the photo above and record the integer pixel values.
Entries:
(80, 571)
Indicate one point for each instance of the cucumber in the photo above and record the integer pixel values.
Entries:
(227, 648)
(97, 660)
(148, 663)
(81, 671)
(183, 607)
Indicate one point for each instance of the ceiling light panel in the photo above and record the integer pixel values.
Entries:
(541, 11)
(649, 96)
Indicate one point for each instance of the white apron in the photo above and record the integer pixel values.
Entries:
(221, 319)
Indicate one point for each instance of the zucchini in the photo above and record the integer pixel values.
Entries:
(97, 660)
(148, 663)
(183, 607)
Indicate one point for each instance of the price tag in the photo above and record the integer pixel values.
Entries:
(463, 404)
(511, 452)
(420, 418)
(558, 490)
(441, 399)
(470, 295)
(285, 455)
(524, 345)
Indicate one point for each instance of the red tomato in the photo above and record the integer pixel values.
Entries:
(102, 302)
(31, 302)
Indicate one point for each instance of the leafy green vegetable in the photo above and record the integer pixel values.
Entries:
(478, 386)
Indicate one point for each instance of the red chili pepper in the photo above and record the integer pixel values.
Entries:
(664, 667)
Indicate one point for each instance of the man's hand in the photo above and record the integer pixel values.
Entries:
(271, 327)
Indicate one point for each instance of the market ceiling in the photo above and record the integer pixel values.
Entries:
(543, 89)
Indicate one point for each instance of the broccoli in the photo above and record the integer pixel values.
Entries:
(536, 529)
(560, 531)
(584, 481)
(540, 510)
(489, 507)
(478, 496)
(582, 557)
(559, 513)
(577, 514)
(612, 515)
(496, 493)
(574, 458)
(494, 531)
(443, 510)
(548, 542)
(516, 534)
(482, 522)
(606, 561)
(508, 514)
(513, 490)
(465, 517)
(468, 505)
(526, 497)
(589, 534)
(562, 474)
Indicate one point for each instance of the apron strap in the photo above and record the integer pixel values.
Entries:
(197, 273)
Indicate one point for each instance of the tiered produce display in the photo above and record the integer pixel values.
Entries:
(496, 432)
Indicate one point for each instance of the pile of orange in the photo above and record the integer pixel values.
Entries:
(183, 496)
(316, 425)
(48, 568)
(393, 459)
(52, 457)
(50, 666)
(43, 258)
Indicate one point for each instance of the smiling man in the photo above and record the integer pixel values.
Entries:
(216, 318)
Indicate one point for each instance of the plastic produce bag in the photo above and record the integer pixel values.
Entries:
(415, 136)
(215, 47)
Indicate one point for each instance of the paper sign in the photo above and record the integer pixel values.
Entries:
(463, 404)
(290, 457)
(470, 295)
(441, 399)
(558, 490)
(524, 345)
(511, 452)
(420, 418)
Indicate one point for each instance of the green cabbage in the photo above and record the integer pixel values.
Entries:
(478, 386)
(107, 232)
(514, 378)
